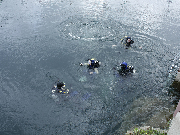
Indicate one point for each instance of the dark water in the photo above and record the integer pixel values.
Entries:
(43, 41)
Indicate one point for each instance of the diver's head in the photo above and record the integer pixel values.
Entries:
(123, 65)
(60, 84)
(128, 39)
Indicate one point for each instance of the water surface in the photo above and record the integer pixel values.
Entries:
(44, 41)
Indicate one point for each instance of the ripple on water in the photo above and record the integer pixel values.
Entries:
(89, 29)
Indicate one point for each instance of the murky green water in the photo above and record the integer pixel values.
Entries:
(43, 41)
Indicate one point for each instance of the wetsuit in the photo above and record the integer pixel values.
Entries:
(125, 69)
(60, 84)
(129, 43)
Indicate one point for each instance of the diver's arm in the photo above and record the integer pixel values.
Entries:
(82, 64)
(89, 63)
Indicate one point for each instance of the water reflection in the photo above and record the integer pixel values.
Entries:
(94, 8)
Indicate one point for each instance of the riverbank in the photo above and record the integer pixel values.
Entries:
(171, 129)
(147, 113)
(164, 121)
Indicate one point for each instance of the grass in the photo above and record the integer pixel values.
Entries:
(147, 132)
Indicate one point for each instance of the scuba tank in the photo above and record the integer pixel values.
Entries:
(92, 62)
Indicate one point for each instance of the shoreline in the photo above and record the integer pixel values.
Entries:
(147, 113)
(165, 122)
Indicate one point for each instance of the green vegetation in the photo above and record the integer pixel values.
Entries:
(147, 132)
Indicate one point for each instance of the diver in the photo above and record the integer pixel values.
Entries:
(60, 88)
(127, 41)
(92, 64)
(125, 69)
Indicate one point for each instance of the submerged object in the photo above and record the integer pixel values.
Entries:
(83, 79)
(86, 96)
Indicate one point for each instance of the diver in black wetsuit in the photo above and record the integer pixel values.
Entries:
(125, 69)
(60, 88)
(129, 41)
